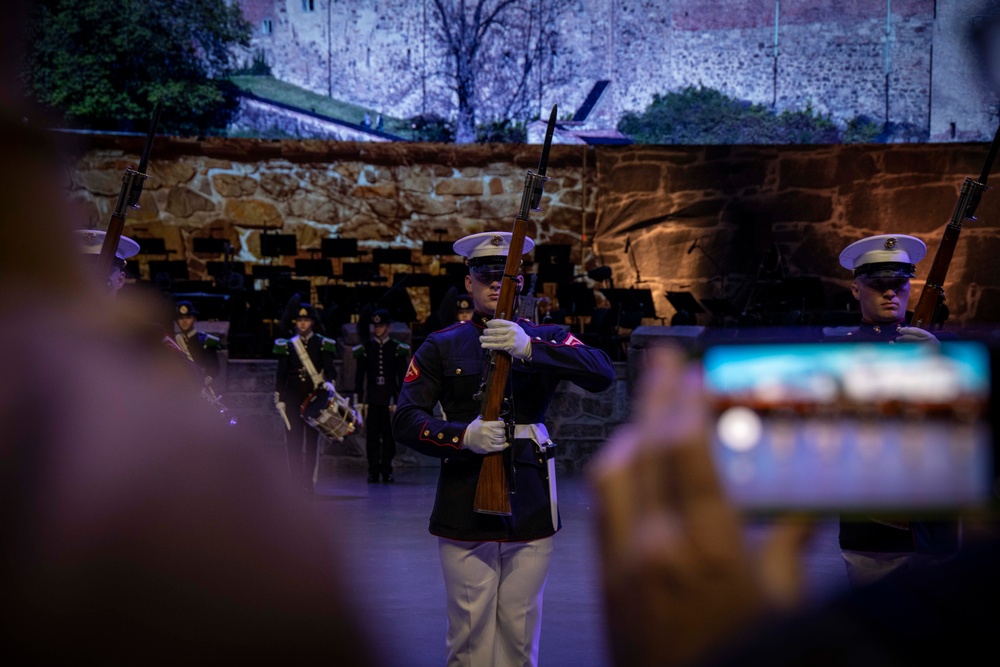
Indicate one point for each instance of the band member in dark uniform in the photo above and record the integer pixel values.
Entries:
(201, 347)
(882, 266)
(305, 365)
(381, 364)
(495, 566)
(465, 309)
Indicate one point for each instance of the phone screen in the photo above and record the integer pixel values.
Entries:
(852, 426)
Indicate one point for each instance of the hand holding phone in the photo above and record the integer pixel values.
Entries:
(848, 427)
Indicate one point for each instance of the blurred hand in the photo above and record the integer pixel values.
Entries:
(277, 399)
(484, 437)
(915, 335)
(506, 336)
(330, 388)
(677, 577)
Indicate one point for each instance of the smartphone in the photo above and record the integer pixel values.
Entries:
(844, 427)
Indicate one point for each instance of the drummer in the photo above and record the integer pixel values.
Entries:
(305, 366)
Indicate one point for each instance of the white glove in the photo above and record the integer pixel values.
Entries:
(277, 399)
(329, 387)
(915, 335)
(507, 336)
(484, 437)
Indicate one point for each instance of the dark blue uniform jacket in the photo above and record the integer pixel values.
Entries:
(448, 367)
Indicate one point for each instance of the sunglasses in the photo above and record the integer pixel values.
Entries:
(883, 284)
(487, 274)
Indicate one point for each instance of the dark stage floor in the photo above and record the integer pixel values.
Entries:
(397, 571)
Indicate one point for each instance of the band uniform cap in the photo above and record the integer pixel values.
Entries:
(488, 244)
(381, 316)
(305, 310)
(884, 254)
(186, 309)
(92, 240)
(464, 302)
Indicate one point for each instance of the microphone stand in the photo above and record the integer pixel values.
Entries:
(722, 271)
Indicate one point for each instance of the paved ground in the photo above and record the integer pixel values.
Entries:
(398, 576)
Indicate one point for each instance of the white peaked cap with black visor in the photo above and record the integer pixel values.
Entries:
(92, 240)
(884, 255)
(486, 254)
(488, 247)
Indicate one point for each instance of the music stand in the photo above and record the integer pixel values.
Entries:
(270, 271)
(339, 248)
(360, 272)
(277, 245)
(217, 269)
(457, 272)
(174, 269)
(552, 253)
(632, 305)
(314, 267)
(392, 256)
(438, 248)
(551, 263)
(395, 299)
(555, 273)
(575, 299)
(210, 246)
(152, 246)
(684, 302)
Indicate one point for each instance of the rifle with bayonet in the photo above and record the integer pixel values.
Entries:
(932, 296)
(128, 198)
(493, 490)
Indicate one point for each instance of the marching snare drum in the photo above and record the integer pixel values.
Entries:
(330, 413)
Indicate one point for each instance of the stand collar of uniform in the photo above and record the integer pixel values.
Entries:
(480, 319)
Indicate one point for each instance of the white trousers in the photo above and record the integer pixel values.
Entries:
(494, 602)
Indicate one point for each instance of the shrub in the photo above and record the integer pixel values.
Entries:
(433, 128)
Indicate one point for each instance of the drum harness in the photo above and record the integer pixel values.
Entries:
(306, 360)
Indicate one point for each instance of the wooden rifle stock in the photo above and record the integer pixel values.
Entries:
(128, 197)
(493, 489)
(932, 294)
(493, 492)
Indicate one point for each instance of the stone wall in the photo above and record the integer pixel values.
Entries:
(845, 58)
(759, 213)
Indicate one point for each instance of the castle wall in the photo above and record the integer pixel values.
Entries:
(830, 55)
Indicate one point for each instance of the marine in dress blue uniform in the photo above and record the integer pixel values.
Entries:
(293, 388)
(381, 364)
(882, 266)
(92, 241)
(495, 567)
